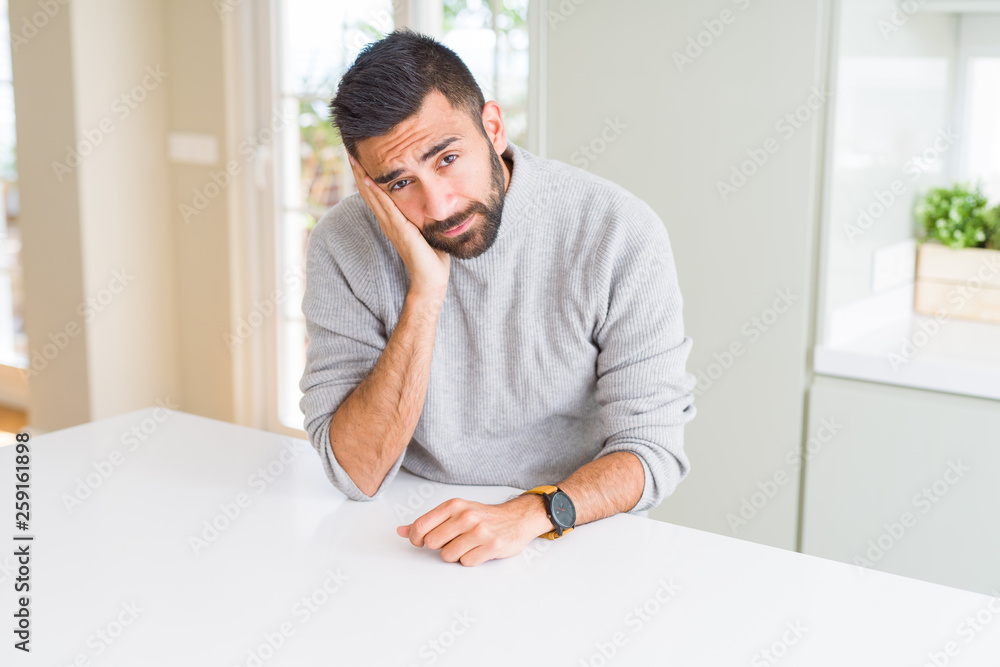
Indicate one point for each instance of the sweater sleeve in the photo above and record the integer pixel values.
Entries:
(643, 389)
(345, 341)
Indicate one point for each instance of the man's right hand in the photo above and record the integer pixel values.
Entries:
(428, 267)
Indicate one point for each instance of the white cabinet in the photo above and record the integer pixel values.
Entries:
(909, 484)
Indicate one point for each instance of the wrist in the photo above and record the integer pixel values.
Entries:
(532, 509)
(426, 301)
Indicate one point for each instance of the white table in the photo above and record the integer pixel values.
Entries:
(330, 582)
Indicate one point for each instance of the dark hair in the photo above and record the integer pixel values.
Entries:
(389, 80)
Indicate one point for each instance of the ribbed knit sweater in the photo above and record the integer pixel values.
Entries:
(562, 343)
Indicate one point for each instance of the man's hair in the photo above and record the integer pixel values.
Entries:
(389, 80)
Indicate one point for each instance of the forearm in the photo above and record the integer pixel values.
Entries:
(374, 424)
(602, 488)
(606, 486)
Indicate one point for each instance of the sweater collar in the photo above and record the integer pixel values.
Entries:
(520, 191)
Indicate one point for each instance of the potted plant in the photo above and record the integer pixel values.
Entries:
(958, 261)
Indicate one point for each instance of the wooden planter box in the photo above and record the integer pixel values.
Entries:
(960, 283)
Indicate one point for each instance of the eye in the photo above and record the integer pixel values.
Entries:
(402, 183)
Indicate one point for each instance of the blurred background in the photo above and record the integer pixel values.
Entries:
(828, 172)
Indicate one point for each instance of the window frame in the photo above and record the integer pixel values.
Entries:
(970, 46)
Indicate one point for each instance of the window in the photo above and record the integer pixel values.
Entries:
(491, 36)
(914, 109)
(13, 342)
(979, 99)
(983, 154)
(316, 40)
(313, 173)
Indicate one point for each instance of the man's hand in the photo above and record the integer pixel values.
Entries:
(428, 267)
(472, 533)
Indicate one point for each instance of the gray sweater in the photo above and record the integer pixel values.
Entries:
(561, 343)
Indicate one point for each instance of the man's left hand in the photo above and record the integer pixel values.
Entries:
(472, 533)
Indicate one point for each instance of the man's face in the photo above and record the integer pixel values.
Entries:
(441, 172)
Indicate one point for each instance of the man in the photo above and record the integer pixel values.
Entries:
(486, 316)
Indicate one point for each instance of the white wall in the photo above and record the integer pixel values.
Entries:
(201, 243)
(685, 131)
(121, 79)
(158, 335)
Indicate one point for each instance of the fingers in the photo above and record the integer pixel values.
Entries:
(423, 525)
(448, 531)
(458, 528)
(428, 522)
(362, 180)
(476, 556)
(467, 549)
(384, 200)
(378, 201)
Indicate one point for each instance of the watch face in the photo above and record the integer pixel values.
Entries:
(562, 510)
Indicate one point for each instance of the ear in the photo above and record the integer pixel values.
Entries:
(493, 124)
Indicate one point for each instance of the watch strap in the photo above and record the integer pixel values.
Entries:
(546, 490)
(553, 535)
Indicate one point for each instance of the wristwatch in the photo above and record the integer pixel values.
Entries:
(560, 509)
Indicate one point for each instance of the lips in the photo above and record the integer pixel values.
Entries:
(454, 231)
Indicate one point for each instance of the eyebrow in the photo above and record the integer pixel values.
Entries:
(431, 152)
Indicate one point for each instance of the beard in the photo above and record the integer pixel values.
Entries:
(481, 234)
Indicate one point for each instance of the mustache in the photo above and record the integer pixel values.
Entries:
(490, 210)
(460, 217)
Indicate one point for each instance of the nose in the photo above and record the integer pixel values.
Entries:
(440, 202)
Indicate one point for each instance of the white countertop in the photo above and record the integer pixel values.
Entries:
(962, 357)
(122, 563)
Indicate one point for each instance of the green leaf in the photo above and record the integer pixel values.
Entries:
(957, 217)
